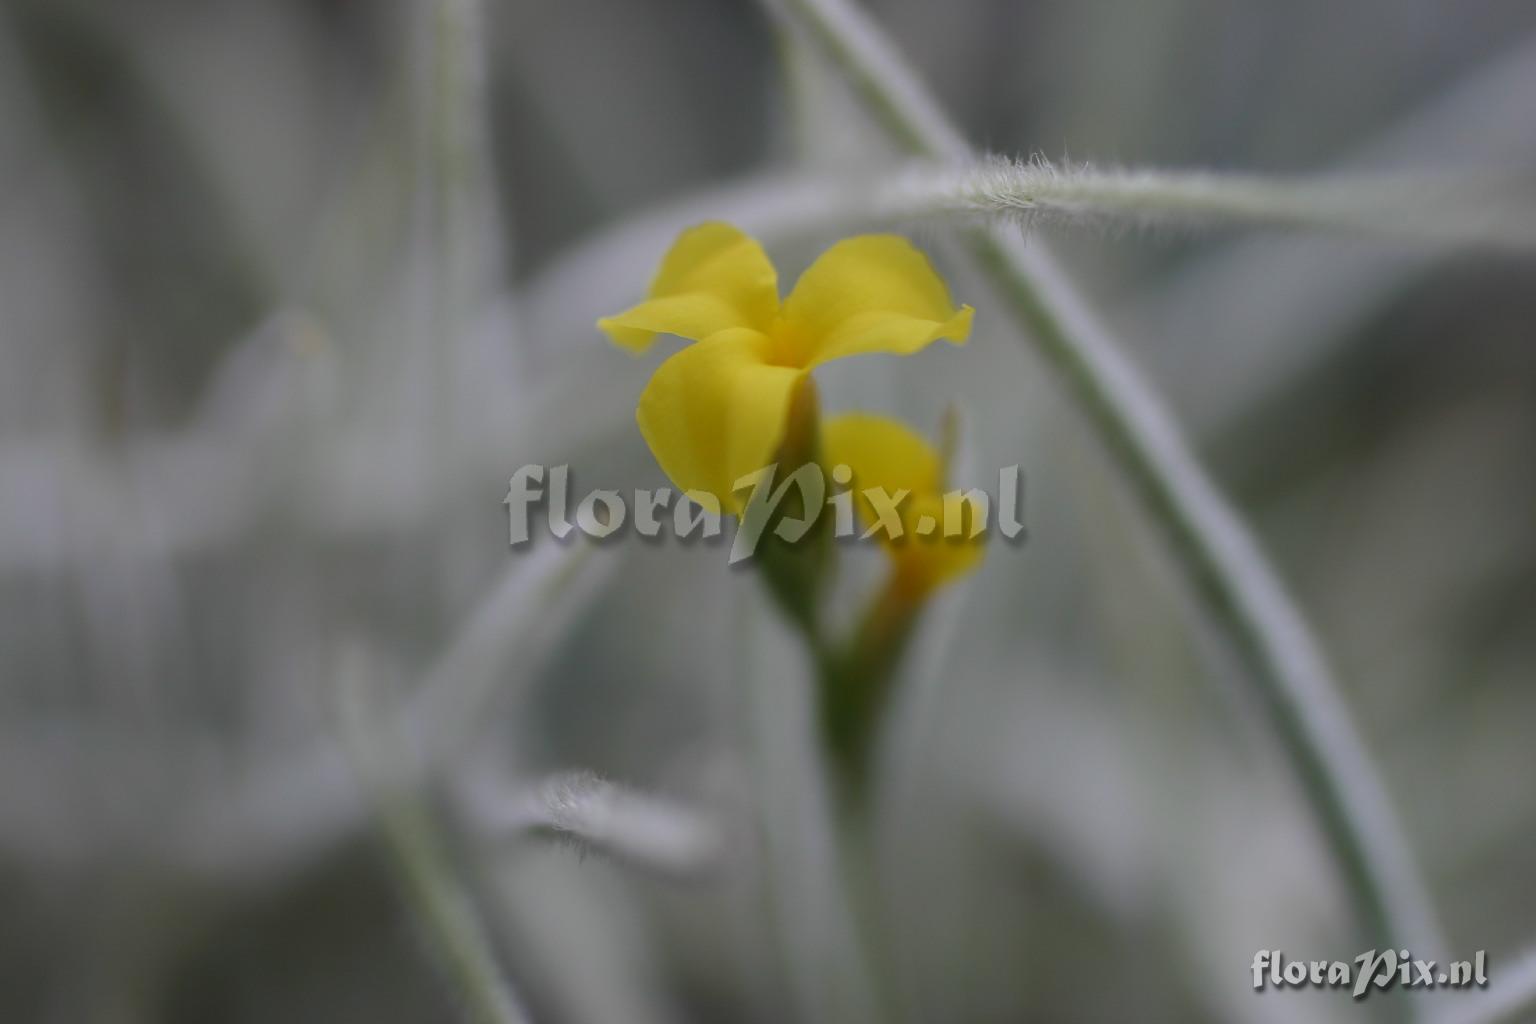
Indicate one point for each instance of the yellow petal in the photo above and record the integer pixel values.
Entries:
(712, 279)
(881, 452)
(715, 412)
(872, 293)
(926, 561)
(886, 453)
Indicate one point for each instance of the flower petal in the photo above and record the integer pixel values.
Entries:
(926, 561)
(886, 453)
(882, 452)
(872, 293)
(716, 411)
(713, 278)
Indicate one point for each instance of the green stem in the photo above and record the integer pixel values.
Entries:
(856, 684)
(858, 864)
(795, 572)
(1229, 575)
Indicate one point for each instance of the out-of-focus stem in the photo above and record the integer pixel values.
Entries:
(426, 876)
(459, 217)
(857, 682)
(1228, 573)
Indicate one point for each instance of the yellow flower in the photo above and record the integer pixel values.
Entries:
(934, 545)
(716, 410)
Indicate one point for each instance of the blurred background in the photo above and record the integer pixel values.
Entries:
(289, 290)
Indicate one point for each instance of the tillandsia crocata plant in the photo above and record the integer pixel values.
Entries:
(741, 399)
